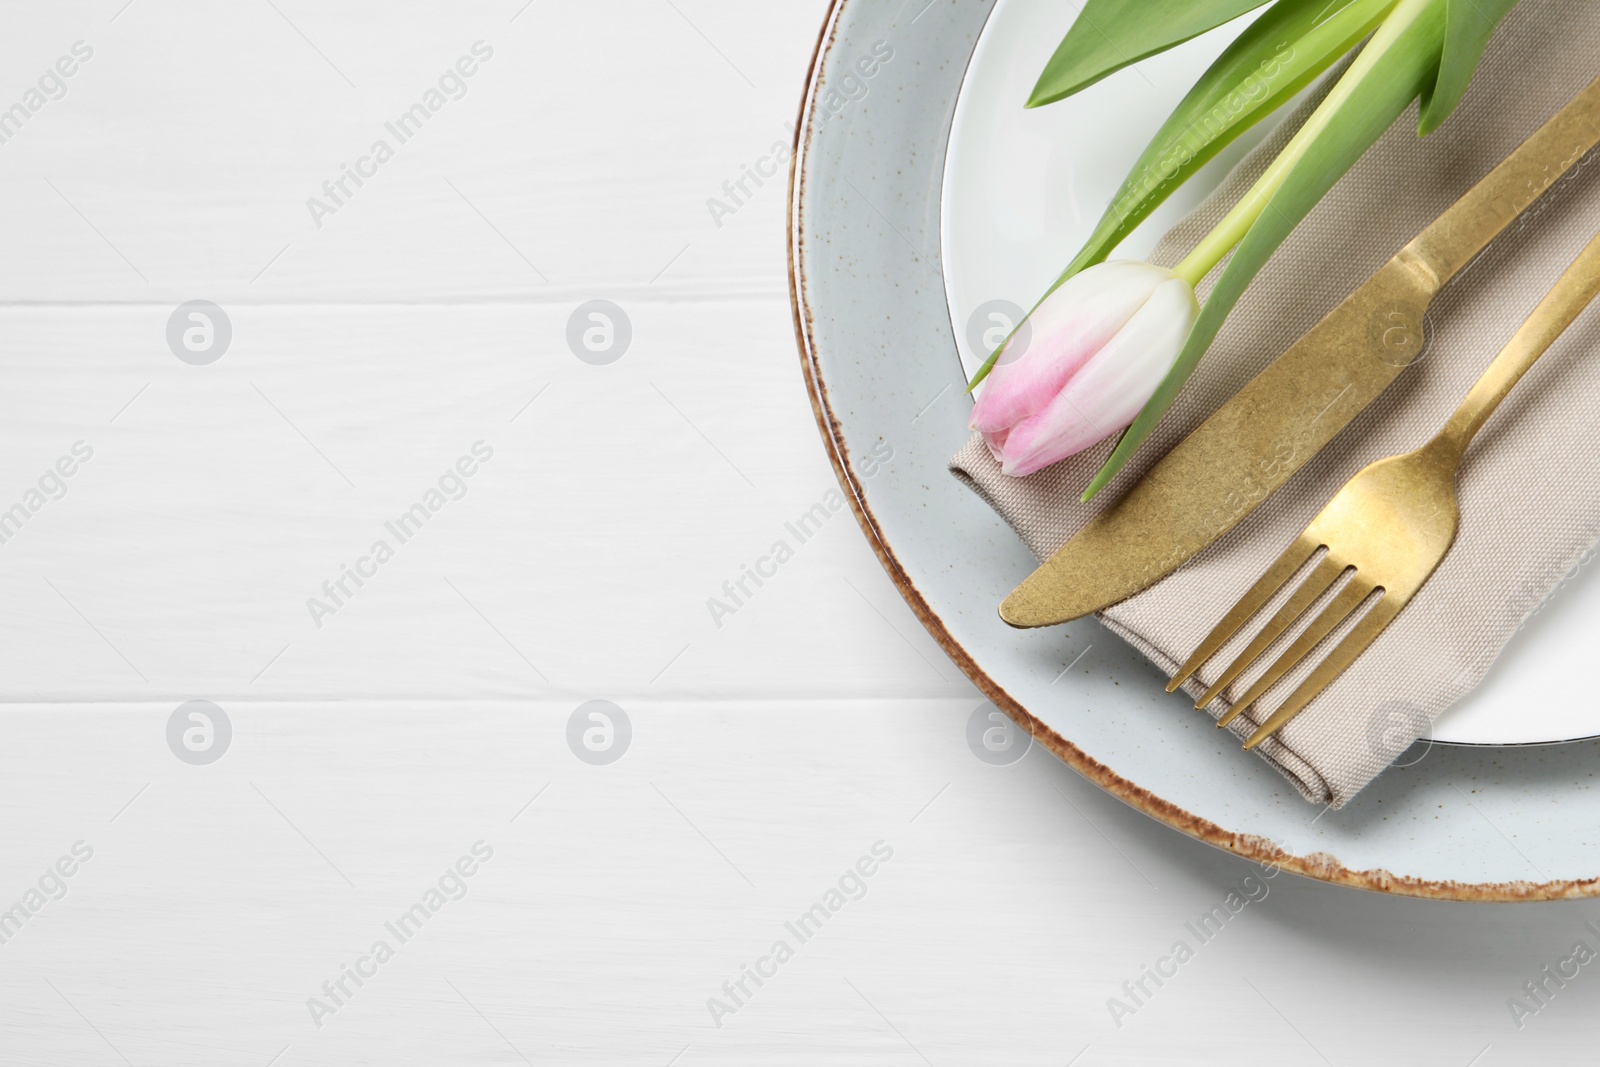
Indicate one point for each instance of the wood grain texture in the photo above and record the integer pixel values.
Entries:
(430, 711)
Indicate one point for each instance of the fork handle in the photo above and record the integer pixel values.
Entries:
(1572, 293)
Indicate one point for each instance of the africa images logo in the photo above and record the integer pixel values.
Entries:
(737, 592)
(451, 85)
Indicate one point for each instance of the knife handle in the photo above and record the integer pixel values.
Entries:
(1452, 240)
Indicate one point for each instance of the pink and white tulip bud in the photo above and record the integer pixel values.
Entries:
(1092, 355)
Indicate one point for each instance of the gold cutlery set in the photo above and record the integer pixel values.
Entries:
(1392, 524)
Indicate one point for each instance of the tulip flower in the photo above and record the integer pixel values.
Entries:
(1102, 339)
(1094, 353)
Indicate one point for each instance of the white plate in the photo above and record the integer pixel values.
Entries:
(1023, 189)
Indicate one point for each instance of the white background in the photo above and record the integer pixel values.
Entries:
(430, 711)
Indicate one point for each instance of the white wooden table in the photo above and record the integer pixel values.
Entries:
(377, 740)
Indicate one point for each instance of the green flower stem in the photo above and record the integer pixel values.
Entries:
(1231, 230)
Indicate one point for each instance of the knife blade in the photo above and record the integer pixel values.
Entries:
(1257, 440)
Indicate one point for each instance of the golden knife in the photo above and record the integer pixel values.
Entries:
(1273, 426)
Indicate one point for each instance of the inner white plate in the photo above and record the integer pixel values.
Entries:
(1022, 192)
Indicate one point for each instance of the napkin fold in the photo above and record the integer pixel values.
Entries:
(1530, 485)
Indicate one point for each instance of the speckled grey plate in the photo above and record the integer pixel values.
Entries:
(881, 363)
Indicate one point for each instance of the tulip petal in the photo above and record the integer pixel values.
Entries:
(1066, 330)
(1108, 393)
(997, 444)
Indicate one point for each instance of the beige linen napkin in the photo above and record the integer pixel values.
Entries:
(1530, 486)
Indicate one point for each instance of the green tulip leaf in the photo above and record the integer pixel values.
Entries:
(1468, 25)
(1407, 67)
(1277, 56)
(1110, 34)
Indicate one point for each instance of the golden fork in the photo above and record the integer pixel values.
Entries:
(1391, 524)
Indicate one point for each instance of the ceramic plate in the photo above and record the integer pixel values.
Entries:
(882, 361)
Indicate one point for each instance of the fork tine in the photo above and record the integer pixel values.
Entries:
(1317, 582)
(1354, 643)
(1349, 598)
(1280, 572)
